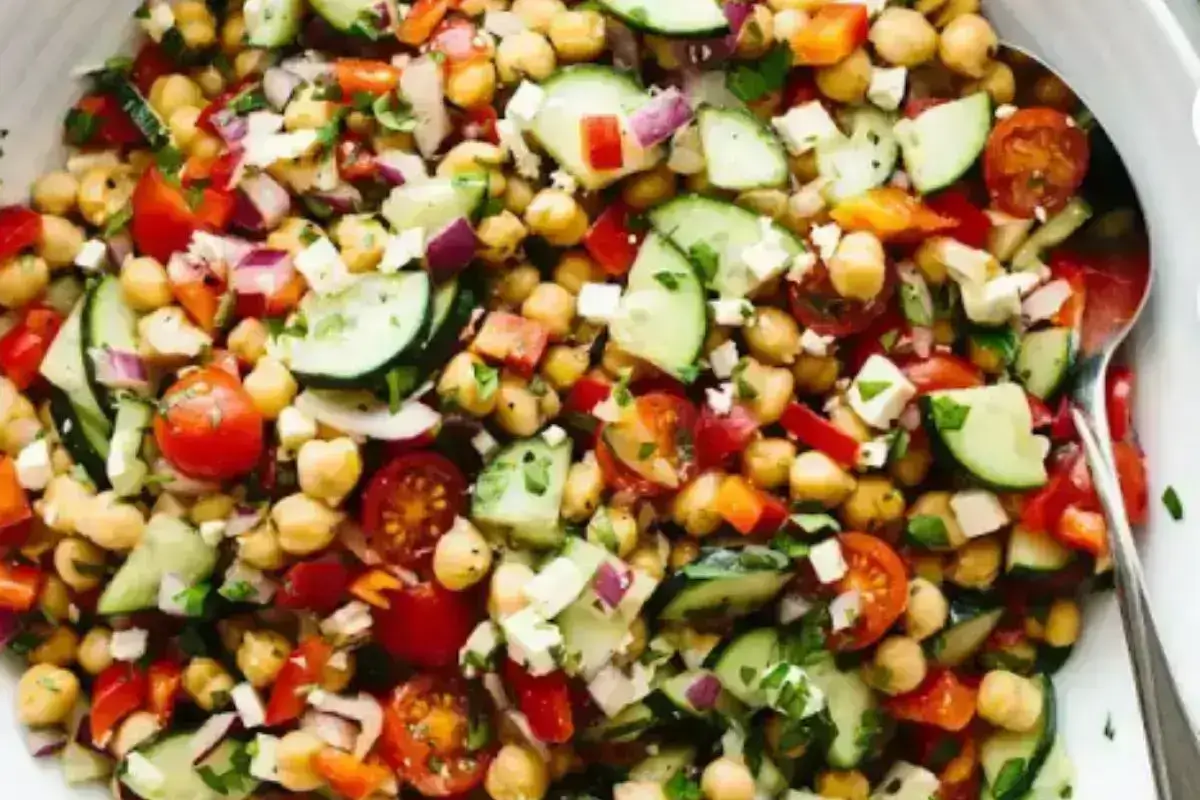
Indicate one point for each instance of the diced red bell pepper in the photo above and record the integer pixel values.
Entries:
(942, 371)
(719, 437)
(24, 346)
(422, 20)
(833, 33)
(20, 229)
(348, 776)
(289, 696)
(319, 586)
(1070, 484)
(365, 76)
(165, 679)
(1082, 530)
(820, 434)
(151, 63)
(751, 511)
(20, 585)
(544, 700)
(355, 161)
(1118, 403)
(98, 120)
(942, 701)
(512, 339)
(602, 147)
(118, 691)
(972, 225)
(611, 241)
(16, 514)
(587, 393)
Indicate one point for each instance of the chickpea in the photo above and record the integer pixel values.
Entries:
(462, 557)
(649, 559)
(858, 267)
(472, 84)
(361, 239)
(79, 563)
(1063, 622)
(644, 190)
(46, 695)
(20, 433)
(927, 609)
(207, 683)
(583, 489)
(998, 81)
(639, 790)
(620, 364)
(294, 755)
(169, 505)
(976, 564)
(23, 278)
(212, 507)
(848, 422)
(515, 285)
(196, 23)
(615, 529)
(727, 778)
(771, 203)
(968, 45)
(848, 80)
(506, 595)
(271, 387)
(470, 384)
(518, 194)
(912, 467)
(292, 235)
(233, 34)
(875, 504)
(103, 192)
(757, 34)
(1009, 701)
(577, 35)
(329, 470)
(768, 462)
(815, 375)
(815, 477)
(137, 728)
(903, 37)
(517, 773)
(899, 665)
(54, 599)
(305, 525)
(248, 340)
(517, 409)
(849, 785)
(773, 336)
(55, 193)
(563, 366)
(260, 548)
(94, 654)
(575, 268)
(251, 62)
(170, 93)
(144, 284)
(60, 242)
(557, 217)
(538, 14)
(695, 506)
(501, 235)
(937, 504)
(110, 523)
(949, 10)
(57, 648)
(261, 655)
(210, 80)
(770, 388)
(552, 306)
(527, 54)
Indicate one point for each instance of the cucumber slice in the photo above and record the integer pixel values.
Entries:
(713, 234)
(673, 693)
(125, 468)
(1057, 230)
(744, 660)
(905, 781)
(521, 488)
(1011, 761)
(432, 205)
(723, 585)
(590, 90)
(63, 293)
(662, 286)
(1033, 554)
(941, 144)
(84, 431)
(352, 16)
(852, 707)
(108, 324)
(740, 151)
(1044, 360)
(863, 160)
(590, 636)
(988, 432)
(664, 765)
(143, 115)
(354, 337)
(273, 23)
(168, 545)
(683, 18)
(627, 726)
(172, 759)
(1056, 778)
(971, 623)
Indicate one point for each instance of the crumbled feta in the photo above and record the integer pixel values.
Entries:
(965, 264)
(827, 561)
(554, 435)
(265, 764)
(526, 102)
(245, 584)
(212, 531)
(533, 642)
(598, 302)
(128, 645)
(724, 359)
(767, 257)
(263, 151)
(816, 344)
(167, 334)
(564, 181)
(1045, 301)
(484, 443)
(92, 255)
(803, 127)
(873, 454)
(732, 311)
(845, 610)
(249, 705)
(322, 266)
(170, 590)
(887, 87)
(687, 152)
(720, 399)
(349, 622)
(788, 689)
(801, 265)
(34, 470)
(826, 238)
(295, 428)
(999, 300)
(1005, 110)
(905, 780)
(528, 163)
(475, 657)
(555, 587)
(615, 691)
(403, 249)
(880, 392)
(792, 607)
(978, 512)
(143, 772)
(161, 18)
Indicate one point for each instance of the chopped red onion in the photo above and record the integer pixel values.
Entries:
(263, 272)
(422, 85)
(343, 198)
(657, 121)
(262, 204)
(43, 742)
(119, 369)
(120, 246)
(737, 13)
(612, 583)
(279, 85)
(243, 520)
(231, 127)
(910, 417)
(362, 709)
(209, 736)
(627, 53)
(703, 692)
(451, 250)
(309, 68)
(708, 87)
(922, 341)
(331, 729)
(398, 167)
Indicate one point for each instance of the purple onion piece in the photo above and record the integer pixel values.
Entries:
(45, 742)
(243, 520)
(270, 200)
(398, 167)
(703, 692)
(345, 199)
(279, 85)
(247, 219)
(623, 42)
(737, 13)
(263, 272)
(657, 121)
(208, 738)
(611, 583)
(120, 246)
(119, 369)
(230, 126)
(422, 84)
(451, 250)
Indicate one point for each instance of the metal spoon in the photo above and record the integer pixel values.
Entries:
(1173, 744)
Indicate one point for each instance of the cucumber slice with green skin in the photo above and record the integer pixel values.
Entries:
(143, 115)
(63, 293)
(740, 151)
(713, 234)
(108, 324)
(680, 18)
(1056, 778)
(521, 488)
(432, 205)
(590, 90)
(124, 466)
(84, 432)
(453, 303)
(1033, 554)
(743, 661)
(627, 726)
(941, 144)
(351, 16)
(590, 636)
(172, 758)
(662, 286)
(168, 545)
(971, 623)
(852, 706)
(664, 765)
(273, 23)
(1057, 230)
(354, 337)
(671, 697)
(863, 160)
(723, 585)
(1044, 360)
(988, 432)
(1011, 761)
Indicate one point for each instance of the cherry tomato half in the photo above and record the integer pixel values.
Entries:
(818, 306)
(650, 450)
(1036, 158)
(426, 624)
(545, 700)
(409, 504)
(877, 573)
(209, 428)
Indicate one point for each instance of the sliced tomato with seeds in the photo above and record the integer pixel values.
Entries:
(409, 504)
(1036, 158)
(545, 700)
(655, 441)
(942, 371)
(878, 574)
(817, 305)
(943, 701)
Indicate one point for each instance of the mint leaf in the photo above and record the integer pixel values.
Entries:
(949, 415)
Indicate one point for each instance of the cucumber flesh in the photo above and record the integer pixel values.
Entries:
(521, 488)
(683, 18)
(740, 151)
(964, 636)
(172, 759)
(863, 160)
(1057, 230)
(168, 545)
(1056, 777)
(273, 23)
(1035, 554)
(1011, 761)
(850, 703)
(124, 466)
(109, 324)
(742, 663)
(941, 144)
(664, 765)
(350, 16)
(723, 585)
(1044, 360)
(81, 423)
(432, 205)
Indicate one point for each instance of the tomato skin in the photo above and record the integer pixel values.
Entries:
(665, 420)
(1131, 472)
(409, 504)
(16, 514)
(421, 21)
(1115, 285)
(916, 106)
(150, 64)
(942, 371)
(820, 434)
(19, 586)
(1040, 413)
(200, 295)
(361, 75)
(512, 339)
(1082, 530)
(719, 437)
(608, 240)
(587, 393)
(210, 428)
(876, 571)
(971, 227)
(816, 304)
(1035, 158)
(303, 668)
(427, 624)
(20, 229)
(24, 346)
(942, 701)
(109, 125)
(318, 586)
(832, 34)
(1118, 402)
(355, 161)
(602, 142)
(118, 692)
(348, 776)
(164, 680)
(621, 478)
(545, 700)
(163, 222)
(479, 123)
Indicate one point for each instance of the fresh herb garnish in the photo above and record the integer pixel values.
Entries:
(668, 279)
(645, 450)
(1010, 775)
(681, 787)
(706, 259)
(80, 126)
(192, 599)
(394, 114)
(1170, 499)
(869, 390)
(1110, 732)
(749, 83)
(949, 415)
(487, 381)
(928, 530)
(238, 591)
(536, 471)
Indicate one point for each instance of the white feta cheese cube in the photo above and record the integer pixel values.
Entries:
(792, 607)
(598, 302)
(965, 264)
(1005, 110)
(999, 300)
(564, 181)
(263, 151)
(526, 102)
(608, 410)
(167, 334)
(263, 123)
(403, 249)
(555, 587)
(887, 87)
(295, 428)
(161, 19)
(827, 561)
(484, 443)
(265, 764)
(171, 599)
(245, 584)
(212, 531)
(1045, 301)
(612, 690)
(92, 255)
(873, 454)
(826, 238)
(475, 657)
(528, 163)
(880, 392)
(554, 435)
(788, 689)
(767, 257)
(249, 705)
(801, 265)
(978, 512)
(845, 610)
(128, 645)
(349, 622)
(905, 780)
(805, 126)
(815, 344)
(34, 470)
(144, 772)
(720, 399)
(321, 265)
(732, 311)
(724, 359)
(533, 642)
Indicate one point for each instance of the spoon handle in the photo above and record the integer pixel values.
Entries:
(1174, 748)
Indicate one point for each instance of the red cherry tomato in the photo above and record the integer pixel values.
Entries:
(364, 76)
(1118, 403)
(20, 229)
(164, 680)
(916, 106)
(355, 161)
(587, 393)
(1131, 471)
(942, 371)
(24, 346)
(1080, 529)
(209, 427)
(479, 124)
(972, 225)
(1069, 484)
(318, 586)
(303, 668)
(818, 306)
(1036, 158)
(427, 624)
(98, 120)
(544, 700)
(892, 214)
(164, 218)
(409, 504)
(118, 691)
(878, 574)
(513, 339)
(942, 701)
(349, 776)
(1115, 285)
(650, 450)
(425, 727)
(720, 437)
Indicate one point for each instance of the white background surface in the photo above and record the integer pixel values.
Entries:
(1127, 59)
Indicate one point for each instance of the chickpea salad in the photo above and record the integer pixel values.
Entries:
(617, 399)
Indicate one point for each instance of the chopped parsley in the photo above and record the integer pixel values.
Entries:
(394, 114)
(248, 101)
(169, 161)
(487, 381)
(790, 546)
(118, 221)
(888, 340)
(706, 259)
(869, 390)
(645, 450)
(238, 591)
(1170, 499)
(928, 530)
(1010, 775)
(681, 787)
(80, 126)
(536, 471)
(814, 523)
(949, 415)
(192, 599)
(668, 279)
(751, 82)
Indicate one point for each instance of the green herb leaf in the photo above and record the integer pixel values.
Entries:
(949, 415)
(869, 390)
(212, 780)
(487, 381)
(169, 161)
(80, 127)
(928, 530)
(1110, 732)
(790, 546)
(751, 82)
(247, 101)
(1170, 499)
(888, 340)
(537, 474)
(237, 592)
(681, 787)
(645, 450)
(394, 114)
(1000, 341)
(668, 279)
(706, 259)
(192, 599)
(748, 675)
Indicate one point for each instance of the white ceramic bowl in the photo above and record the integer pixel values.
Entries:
(1131, 62)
